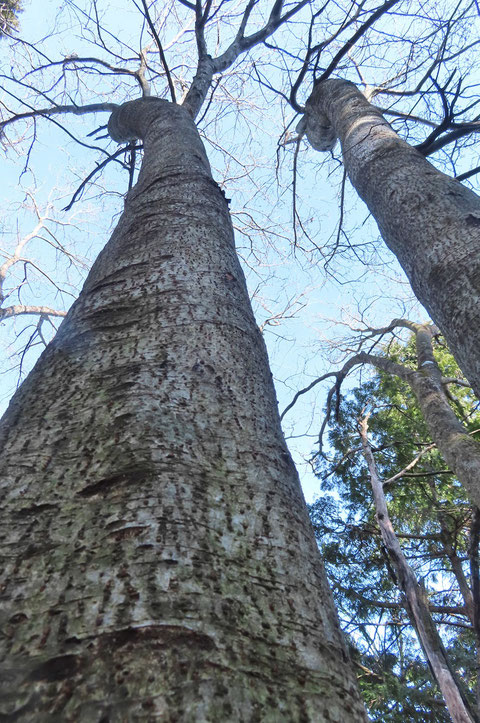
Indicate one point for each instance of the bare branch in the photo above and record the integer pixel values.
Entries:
(59, 110)
(93, 173)
(356, 36)
(20, 309)
(410, 465)
(208, 66)
(160, 50)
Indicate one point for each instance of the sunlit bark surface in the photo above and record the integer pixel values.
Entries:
(158, 558)
(428, 220)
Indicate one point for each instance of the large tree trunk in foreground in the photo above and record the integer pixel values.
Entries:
(416, 601)
(160, 562)
(431, 222)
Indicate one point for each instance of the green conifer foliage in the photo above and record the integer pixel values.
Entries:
(432, 517)
(9, 11)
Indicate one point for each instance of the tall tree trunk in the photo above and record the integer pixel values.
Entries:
(431, 222)
(416, 601)
(160, 562)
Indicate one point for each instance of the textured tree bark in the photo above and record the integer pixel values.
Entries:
(428, 220)
(159, 561)
(416, 602)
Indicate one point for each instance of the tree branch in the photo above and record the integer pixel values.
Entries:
(58, 110)
(20, 309)
(160, 50)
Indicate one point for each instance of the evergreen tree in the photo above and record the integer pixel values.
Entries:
(9, 10)
(433, 519)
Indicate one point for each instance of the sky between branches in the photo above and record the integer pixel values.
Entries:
(297, 304)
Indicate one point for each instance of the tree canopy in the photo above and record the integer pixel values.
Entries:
(75, 63)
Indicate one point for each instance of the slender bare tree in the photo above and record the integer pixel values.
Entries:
(416, 602)
(429, 514)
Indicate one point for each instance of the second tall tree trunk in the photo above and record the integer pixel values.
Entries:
(430, 222)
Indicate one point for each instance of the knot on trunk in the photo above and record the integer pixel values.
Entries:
(318, 129)
(132, 119)
(327, 103)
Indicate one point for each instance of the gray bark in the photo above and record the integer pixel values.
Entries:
(457, 447)
(159, 563)
(431, 222)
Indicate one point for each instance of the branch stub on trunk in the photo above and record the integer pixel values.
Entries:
(132, 119)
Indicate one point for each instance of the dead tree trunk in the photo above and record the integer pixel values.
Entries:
(159, 560)
(416, 602)
(431, 222)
